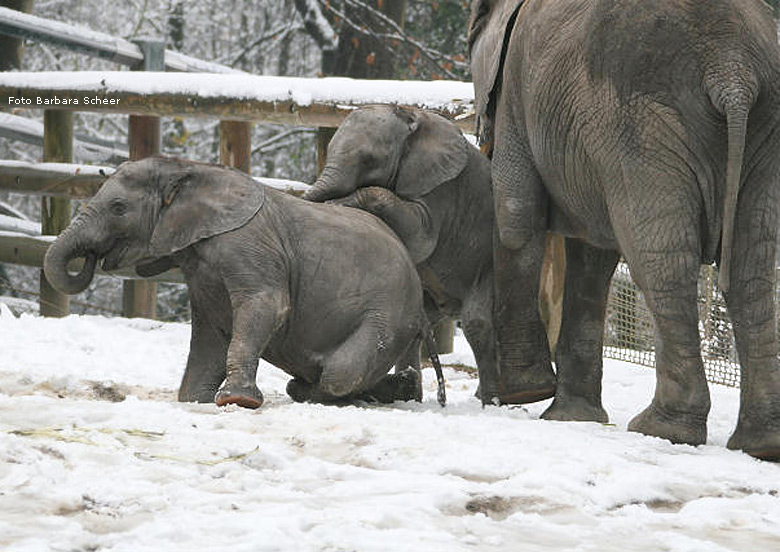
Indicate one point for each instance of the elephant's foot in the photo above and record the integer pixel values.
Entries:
(300, 390)
(527, 385)
(406, 385)
(575, 409)
(759, 442)
(246, 397)
(680, 428)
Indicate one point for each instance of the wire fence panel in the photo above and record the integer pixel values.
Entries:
(629, 328)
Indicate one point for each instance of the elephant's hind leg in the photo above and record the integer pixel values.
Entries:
(578, 355)
(752, 308)
(667, 271)
(361, 361)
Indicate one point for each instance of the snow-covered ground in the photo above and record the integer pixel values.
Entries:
(96, 454)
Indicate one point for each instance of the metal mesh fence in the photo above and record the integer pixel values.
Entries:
(629, 327)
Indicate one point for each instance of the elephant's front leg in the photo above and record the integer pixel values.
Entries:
(521, 218)
(578, 355)
(410, 220)
(211, 326)
(255, 319)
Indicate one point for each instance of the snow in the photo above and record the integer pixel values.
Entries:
(70, 170)
(21, 226)
(79, 471)
(337, 91)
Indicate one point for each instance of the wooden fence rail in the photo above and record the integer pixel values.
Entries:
(284, 100)
(96, 44)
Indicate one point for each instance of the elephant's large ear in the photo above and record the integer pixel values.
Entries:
(489, 30)
(436, 152)
(202, 201)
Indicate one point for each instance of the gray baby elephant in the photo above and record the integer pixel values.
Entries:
(416, 171)
(329, 297)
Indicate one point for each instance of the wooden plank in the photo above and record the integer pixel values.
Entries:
(235, 144)
(551, 287)
(77, 39)
(52, 179)
(139, 297)
(324, 136)
(283, 100)
(83, 181)
(55, 211)
(96, 44)
(30, 131)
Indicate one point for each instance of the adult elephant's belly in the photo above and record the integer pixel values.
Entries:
(597, 231)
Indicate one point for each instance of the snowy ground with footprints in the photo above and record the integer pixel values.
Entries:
(96, 454)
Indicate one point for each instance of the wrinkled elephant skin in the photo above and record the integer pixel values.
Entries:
(328, 295)
(649, 130)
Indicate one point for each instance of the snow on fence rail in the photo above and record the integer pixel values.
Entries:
(94, 43)
(286, 100)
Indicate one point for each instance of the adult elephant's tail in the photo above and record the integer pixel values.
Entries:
(736, 121)
(732, 89)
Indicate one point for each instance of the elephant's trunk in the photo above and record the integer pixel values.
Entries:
(66, 248)
(332, 183)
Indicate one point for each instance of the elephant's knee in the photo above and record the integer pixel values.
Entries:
(341, 383)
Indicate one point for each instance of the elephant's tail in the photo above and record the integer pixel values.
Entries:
(736, 121)
(733, 91)
(430, 344)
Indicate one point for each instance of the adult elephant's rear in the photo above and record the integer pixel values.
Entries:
(651, 130)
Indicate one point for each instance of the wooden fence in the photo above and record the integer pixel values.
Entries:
(234, 97)
(237, 100)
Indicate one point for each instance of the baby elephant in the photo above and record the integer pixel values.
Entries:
(327, 295)
(416, 171)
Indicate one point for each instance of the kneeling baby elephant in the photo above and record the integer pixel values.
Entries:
(328, 295)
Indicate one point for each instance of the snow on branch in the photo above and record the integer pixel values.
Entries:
(393, 33)
(317, 25)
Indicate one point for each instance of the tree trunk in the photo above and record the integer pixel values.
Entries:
(12, 49)
(361, 56)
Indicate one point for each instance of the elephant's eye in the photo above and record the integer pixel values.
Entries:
(118, 207)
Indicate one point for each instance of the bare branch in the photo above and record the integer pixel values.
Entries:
(276, 34)
(264, 147)
(397, 34)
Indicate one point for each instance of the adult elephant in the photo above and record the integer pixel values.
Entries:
(647, 129)
(328, 295)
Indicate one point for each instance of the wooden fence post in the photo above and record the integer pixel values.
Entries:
(139, 297)
(324, 134)
(55, 211)
(551, 287)
(235, 144)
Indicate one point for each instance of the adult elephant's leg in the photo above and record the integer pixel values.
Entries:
(521, 219)
(662, 247)
(751, 304)
(578, 355)
(208, 347)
